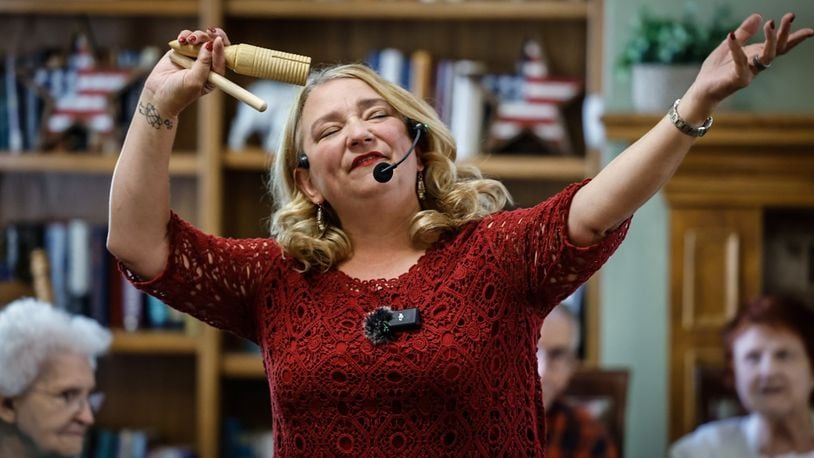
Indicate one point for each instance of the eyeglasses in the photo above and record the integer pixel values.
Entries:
(74, 400)
(556, 357)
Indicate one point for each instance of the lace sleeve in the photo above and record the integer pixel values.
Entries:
(214, 279)
(542, 260)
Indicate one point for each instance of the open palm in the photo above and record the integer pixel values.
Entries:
(733, 64)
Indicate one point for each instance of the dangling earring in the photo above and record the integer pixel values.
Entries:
(320, 220)
(419, 186)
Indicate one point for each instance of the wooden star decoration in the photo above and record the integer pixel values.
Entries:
(81, 100)
(535, 121)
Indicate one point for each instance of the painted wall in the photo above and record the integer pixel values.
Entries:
(634, 327)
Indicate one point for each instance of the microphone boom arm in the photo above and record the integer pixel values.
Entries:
(383, 171)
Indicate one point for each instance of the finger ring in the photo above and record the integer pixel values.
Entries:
(760, 66)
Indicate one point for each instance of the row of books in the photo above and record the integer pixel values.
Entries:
(240, 442)
(451, 86)
(83, 276)
(128, 443)
(486, 110)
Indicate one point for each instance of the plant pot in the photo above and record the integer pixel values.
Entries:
(657, 86)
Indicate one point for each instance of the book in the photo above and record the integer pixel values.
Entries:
(421, 74)
(467, 116)
(100, 260)
(79, 267)
(132, 302)
(15, 133)
(56, 245)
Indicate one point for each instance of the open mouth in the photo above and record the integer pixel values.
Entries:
(366, 160)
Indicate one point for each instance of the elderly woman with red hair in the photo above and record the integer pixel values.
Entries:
(770, 347)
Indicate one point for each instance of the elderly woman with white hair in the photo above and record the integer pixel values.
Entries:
(47, 380)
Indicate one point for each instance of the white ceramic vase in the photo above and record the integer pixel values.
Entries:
(657, 86)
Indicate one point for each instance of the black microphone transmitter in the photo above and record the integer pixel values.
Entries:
(405, 320)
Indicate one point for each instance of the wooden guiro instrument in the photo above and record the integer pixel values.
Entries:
(250, 61)
(258, 62)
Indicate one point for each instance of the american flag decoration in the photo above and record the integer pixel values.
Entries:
(539, 110)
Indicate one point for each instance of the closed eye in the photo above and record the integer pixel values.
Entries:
(378, 114)
(327, 132)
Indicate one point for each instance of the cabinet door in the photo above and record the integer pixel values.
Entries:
(715, 266)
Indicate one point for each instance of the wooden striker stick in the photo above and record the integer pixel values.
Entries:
(224, 84)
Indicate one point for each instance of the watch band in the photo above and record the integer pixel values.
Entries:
(682, 125)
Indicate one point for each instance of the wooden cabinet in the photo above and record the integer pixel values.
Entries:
(733, 185)
(223, 192)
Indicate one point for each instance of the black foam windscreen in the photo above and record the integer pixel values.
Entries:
(302, 161)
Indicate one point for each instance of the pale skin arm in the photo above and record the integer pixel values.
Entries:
(139, 195)
(642, 169)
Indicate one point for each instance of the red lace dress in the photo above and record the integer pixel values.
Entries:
(464, 384)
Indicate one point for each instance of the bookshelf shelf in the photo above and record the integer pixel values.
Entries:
(181, 163)
(248, 159)
(742, 129)
(242, 365)
(399, 10)
(560, 168)
(102, 7)
(532, 167)
(154, 342)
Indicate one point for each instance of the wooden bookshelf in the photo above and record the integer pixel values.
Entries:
(154, 342)
(250, 159)
(524, 167)
(181, 163)
(242, 365)
(102, 7)
(227, 183)
(729, 129)
(399, 10)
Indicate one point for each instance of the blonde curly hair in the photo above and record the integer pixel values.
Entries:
(455, 194)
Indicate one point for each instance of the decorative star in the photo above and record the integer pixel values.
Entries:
(537, 116)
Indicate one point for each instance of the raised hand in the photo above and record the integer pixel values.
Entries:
(172, 88)
(733, 64)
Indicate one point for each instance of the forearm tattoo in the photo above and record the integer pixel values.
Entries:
(153, 117)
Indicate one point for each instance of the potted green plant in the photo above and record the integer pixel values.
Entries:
(664, 54)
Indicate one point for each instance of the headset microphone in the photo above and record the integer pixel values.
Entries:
(383, 171)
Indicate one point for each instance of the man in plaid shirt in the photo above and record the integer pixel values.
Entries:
(571, 431)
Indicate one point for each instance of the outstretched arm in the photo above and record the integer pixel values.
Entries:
(643, 168)
(139, 194)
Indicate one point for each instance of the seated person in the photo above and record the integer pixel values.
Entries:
(770, 346)
(47, 379)
(570, 430)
